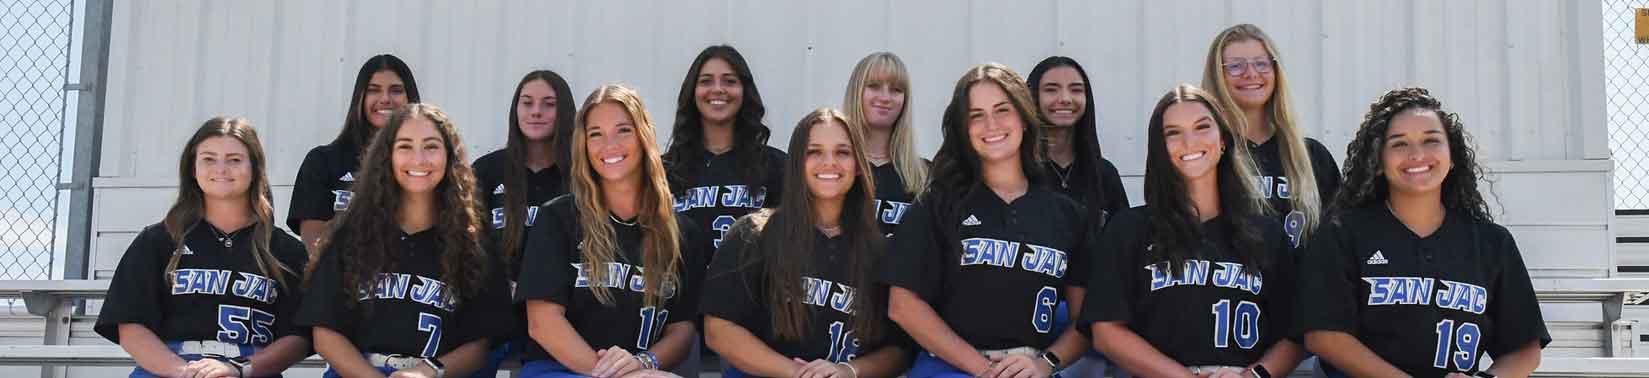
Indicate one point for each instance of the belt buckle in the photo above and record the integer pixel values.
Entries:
(401, 361)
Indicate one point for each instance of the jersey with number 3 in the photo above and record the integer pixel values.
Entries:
(1210, 309)
(554, 270)
(217, 293)
(411, 311)
(714, 194)
(996, 271)
(1428, 305)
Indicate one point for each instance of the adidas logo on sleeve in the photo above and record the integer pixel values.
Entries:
(1377, 259)
(347, 177)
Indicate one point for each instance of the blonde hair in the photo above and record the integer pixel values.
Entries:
(884, 67)
(661, 238)
(1296, 159)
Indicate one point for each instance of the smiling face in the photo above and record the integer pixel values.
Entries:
(223, 168)
(830, 167)
(719, 91)
(613, 147)
(1416, 153)
(994, 127)
(883, 103)
(1192, 139)
(385, 92)
(1062, 96)
(1242, 63)
(535, 111)
(420, 156)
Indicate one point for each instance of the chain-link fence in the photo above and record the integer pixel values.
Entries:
(35, 46)
(1626, 83)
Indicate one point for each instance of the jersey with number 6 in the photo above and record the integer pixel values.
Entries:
(996, 271)
(554, 270)
(1428, 305)
(1210, 309)
(217, 294)
(713, 194)
(411, 311)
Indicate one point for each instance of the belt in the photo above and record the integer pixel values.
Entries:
(393, 361)
(212, 348)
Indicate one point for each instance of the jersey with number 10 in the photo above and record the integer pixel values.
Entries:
(1211, 309)
(996, 271)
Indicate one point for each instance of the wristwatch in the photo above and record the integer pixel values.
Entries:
(1051, 358)
(1259, 371)
(440, 369)
(243, 366)
(1484, 374)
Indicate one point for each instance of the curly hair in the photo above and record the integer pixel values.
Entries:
(365, 234)
(1366, 186)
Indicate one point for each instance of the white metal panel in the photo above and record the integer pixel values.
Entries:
(1518, 72)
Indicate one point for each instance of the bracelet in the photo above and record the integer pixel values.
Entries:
(850, 368)
(647, 359)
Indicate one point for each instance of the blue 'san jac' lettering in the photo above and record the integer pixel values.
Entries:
(1005, 254)
(621, 275)
(1275, 186)
(255, 287)
(340, 199)
(893, 213)
(824, 293)
(1452, 295)
(1197, 273)
(498, 217)
(428, 291)
(201, 281)
(720, 196)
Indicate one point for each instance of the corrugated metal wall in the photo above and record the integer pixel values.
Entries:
(1524, 74)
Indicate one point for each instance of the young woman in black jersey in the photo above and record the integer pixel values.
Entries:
(1194, 283)
(402, 285)
(1412, 277)
(983, 255)
(612, 277)
(876, 104)
(720, 166)
(211, 290)
(322, 188)
(1065, 100)
(529, 171)
(1296, 174)
(791, 293)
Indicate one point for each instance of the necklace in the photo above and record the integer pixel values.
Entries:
(228, 240)
(830, 230)
(1064, 174)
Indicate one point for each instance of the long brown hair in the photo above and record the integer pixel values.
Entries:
(1175, 227)
(661, 237)
(186, 213)
(686, 151)
(365, 233)
(956, 167)
(781, 240)
(515, 153)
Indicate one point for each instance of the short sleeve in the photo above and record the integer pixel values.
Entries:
(311, 197)
(1325, 169)
(291, 253)
(1116, 196)
(695, 255)
(1110, 296)
(324, 300)
(134, 292)
(731, 277)
(1515, 310)
(1328, 283)
(915, 261)
(775, 178)
(546, 270)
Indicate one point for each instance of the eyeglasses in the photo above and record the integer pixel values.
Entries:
(1238, 68)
